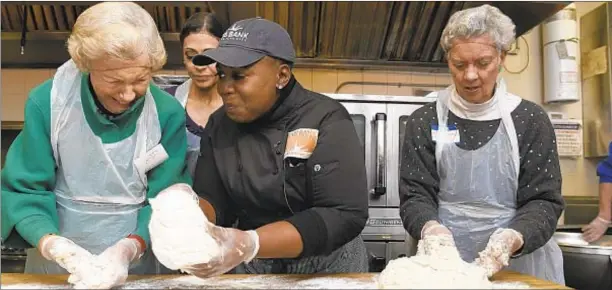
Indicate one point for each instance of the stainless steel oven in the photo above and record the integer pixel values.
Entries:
(380, 123)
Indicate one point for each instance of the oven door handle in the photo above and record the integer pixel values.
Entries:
(381, 155)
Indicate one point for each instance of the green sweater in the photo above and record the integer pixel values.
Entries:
(28, 177)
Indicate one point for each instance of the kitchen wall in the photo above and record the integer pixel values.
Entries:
(579, 175)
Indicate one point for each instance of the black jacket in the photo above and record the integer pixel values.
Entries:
(241, 171)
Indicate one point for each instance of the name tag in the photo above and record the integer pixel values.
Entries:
(451, 134)
(154, 157)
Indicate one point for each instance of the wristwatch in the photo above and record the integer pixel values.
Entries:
(140, 240)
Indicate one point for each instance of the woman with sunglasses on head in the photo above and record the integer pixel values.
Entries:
(198, 94)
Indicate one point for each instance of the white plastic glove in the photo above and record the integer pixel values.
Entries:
(434, 228)
(65, 253)
(501, 246)
(179, 229)
(596, 229)
(437, 240)
(236, 246)
(111, 267)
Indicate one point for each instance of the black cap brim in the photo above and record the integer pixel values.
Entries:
(230, 56)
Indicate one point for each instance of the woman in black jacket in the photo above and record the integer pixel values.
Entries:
(280, 164)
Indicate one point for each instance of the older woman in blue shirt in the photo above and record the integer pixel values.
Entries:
(596, 229)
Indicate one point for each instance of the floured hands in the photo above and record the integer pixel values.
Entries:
(110, 268)
(236, 246)
(437, 240)
(88, 271)
(64, 252)
(501, 246)
(434, 228)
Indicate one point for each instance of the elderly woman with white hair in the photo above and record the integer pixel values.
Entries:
(479, 165)
(98, 140)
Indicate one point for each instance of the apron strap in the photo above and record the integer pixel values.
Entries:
(442, 114)
(505, 107)
(66, 85)
(182, 92)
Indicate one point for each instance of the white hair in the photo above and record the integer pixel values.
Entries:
(477, 21)
(121, 30)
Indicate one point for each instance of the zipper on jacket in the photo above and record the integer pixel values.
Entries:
(280, 150)
(276, 151)
(238, 156)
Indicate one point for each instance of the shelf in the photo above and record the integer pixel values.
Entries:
(12, 125)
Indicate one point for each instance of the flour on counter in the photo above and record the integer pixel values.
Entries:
(252, 282)
(510, 285)
(179, 229)
(437, 265)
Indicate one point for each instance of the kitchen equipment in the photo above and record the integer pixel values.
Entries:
(560, 45)
(165, 81)
(586, 266)
(579, 210)
(13, 260)
(380, 123)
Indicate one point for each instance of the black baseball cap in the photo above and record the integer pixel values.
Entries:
(247, 41)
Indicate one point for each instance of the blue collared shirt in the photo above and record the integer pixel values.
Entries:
(604, 169)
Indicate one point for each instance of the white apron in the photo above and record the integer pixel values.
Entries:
(98, 189)
(478, 191)
(193, 140)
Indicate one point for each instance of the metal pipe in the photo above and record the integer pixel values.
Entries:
(371, 64)
(381, 155)
(417, 85)
(24, 28)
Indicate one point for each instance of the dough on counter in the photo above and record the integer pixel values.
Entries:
(436, 266)
(179, 229)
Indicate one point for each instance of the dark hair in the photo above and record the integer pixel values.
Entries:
(202, 22)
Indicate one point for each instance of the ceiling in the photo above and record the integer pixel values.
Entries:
(374, 31)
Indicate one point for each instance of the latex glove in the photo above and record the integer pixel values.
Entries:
(236, 247)
(437, 240)
(111, 266)
(595, 230)
(434, 228)
(184, 190)
(501, 246)
(65, 253)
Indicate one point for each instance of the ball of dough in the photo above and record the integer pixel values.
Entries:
(432, 272)
(179, 229)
